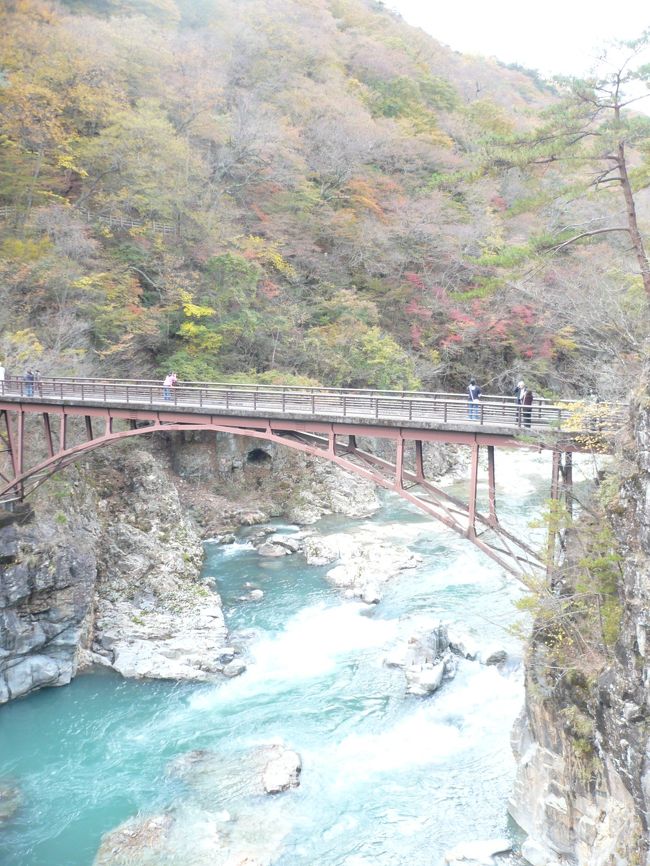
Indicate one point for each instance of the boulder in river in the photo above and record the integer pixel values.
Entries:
(493, 656)
(10, 800)
(271, 548)
(426, 660)
(477, 853)
(251, 518)
(462, 644)
(424, 679)
(282, 771)
(364, 562)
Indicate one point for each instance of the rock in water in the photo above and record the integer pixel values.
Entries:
(479, 853)
(424, 679)
(282, 771)
(10, 800)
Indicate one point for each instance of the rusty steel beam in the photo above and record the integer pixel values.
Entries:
(419, 460)
(314, 438)
(63, 431)
(399, 465)
(492, 497)
(49, 442)
(473, 492)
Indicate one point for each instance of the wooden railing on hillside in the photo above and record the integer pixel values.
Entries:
(8, 212)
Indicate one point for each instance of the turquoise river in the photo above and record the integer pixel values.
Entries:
(388, 779)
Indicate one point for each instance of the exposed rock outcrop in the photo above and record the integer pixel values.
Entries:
(582, 744)
(363, 563)
(154, 617)
(230, 481)
(426, 660)
(282, 771)
(49, 572)
(107, 571)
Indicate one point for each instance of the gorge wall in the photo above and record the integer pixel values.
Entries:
(582, 740)
(107, 570)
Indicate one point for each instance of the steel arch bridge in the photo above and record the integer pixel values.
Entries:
(48, 424)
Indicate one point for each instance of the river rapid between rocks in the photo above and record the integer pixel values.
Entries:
(388, 779)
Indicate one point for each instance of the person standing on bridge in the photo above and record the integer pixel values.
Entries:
(29, 383)
(474, 393)
(519, 390)
(168, 383)
(526, 400)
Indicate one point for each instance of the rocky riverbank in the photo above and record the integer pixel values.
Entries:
(583, 739)
(107, 571)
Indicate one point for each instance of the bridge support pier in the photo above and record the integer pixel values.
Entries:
(473, 492)
(419, 461)
(399, 465)
(492, 498)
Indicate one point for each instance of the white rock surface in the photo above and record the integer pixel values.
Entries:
(363, 562)
(481, 852)
(282, 771)
(163, 644)
(424, 679)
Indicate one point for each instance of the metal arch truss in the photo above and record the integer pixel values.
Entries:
(32, 457)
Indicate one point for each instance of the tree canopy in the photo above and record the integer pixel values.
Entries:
(280, 188)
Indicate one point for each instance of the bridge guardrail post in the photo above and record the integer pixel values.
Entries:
(345, 409)
(445, 412)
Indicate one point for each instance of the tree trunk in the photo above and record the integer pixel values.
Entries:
(635, 234)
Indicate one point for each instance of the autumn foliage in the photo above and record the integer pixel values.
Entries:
(300, 189)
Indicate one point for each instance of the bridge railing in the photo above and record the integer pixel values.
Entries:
(505, 400)
(422, 407)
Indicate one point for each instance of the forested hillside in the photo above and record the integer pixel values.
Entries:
(308, 190)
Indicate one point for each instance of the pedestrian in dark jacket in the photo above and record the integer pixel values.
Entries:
(474, 393)
(526, 399)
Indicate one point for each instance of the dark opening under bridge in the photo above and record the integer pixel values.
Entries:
(48, 424)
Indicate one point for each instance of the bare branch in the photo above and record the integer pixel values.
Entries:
(588, 235)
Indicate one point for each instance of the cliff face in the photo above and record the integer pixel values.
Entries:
(76, 576)
(107, 570)
(46, 598)
(583, 783)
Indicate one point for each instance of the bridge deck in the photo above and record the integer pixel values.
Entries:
(47, 425)
(449, 413)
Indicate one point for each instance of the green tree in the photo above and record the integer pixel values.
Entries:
(591, 132)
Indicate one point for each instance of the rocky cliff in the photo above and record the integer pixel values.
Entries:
(583, 739)
(107, 569)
